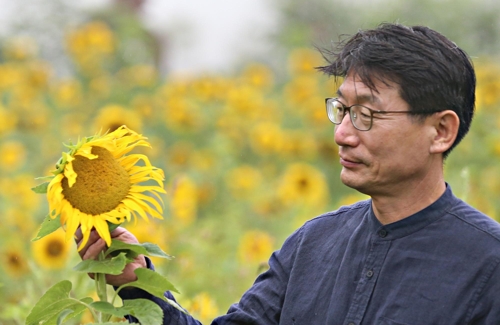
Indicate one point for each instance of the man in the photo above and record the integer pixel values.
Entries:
(413, 253)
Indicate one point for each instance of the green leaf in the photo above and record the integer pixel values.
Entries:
(41, 188)
(54, 303)
(108, 308)
(155, 284)
(48, 226)
(62, 316)
(113, 265)
(146, 311)
(145, 248)
(112, 226)
(110, 323)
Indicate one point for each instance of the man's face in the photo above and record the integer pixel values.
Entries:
(394, 153)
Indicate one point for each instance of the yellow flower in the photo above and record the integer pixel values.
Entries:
(37, 74)
(14, 260)
(179, 154)
(303, 61)
(12, 155)
(96, 182)
(16, 190)
(113, 116)
(243, 180)
(300, 89)
(52, 251)
(182, 115)
(258, 76)
(18, 221)
(68, 93)
(245, 101)
(10, 75)
(266, 138)
(184, 201)
(300, 143)
(8, 120)
(255, 247)
(488, 84)
(206, 88)
(92, 39)
(204, 307)
(303, 184)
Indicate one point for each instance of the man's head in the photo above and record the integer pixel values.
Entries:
(432, 73)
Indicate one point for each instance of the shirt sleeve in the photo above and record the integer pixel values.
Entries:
(263, 302)
(486, 310)
(260, 305)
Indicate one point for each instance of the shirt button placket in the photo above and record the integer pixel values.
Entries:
(382, 233)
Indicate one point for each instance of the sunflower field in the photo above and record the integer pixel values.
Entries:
(248, 158)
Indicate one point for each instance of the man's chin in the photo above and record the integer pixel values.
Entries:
(355, 184)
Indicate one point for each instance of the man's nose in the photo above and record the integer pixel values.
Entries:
(345, 132)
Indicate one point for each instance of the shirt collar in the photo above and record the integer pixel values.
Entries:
(414, 222)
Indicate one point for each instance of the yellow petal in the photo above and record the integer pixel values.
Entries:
(134, 207)
(102, 229)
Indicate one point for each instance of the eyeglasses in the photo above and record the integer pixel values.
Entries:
(361, 116)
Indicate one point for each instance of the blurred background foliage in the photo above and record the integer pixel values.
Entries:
(249, 156)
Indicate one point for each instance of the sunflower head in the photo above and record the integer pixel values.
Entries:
(96, 183)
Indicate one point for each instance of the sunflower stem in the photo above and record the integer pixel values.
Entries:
(100, 284)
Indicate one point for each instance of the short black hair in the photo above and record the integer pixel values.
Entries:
(433, 73)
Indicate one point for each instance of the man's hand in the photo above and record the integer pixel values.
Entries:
(96, 244)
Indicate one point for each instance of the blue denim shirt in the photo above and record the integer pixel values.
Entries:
(438, 266)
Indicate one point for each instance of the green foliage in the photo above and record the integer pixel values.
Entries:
(114, 265)
(143, 248)
(48, 226)
(151, 282)
(146, 311)
(55, 303)
(42, 188)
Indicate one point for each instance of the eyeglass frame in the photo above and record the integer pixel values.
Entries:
(348, 109)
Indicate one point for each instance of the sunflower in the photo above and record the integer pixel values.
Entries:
(184, 202)
(303, 183)
(113, 116)
(96, 183)
(14, 260)
(255, 247)
(51, 252)
(203, 306)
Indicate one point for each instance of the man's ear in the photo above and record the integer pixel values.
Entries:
(446, 125)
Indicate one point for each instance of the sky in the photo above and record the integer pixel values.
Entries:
(198, 35)
(210, 35)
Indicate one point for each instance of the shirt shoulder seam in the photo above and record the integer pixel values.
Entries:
(497, 238)
(341, 210)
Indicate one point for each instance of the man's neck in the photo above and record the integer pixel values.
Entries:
(392, 208)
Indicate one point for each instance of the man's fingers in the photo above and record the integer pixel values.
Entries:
(92, 251)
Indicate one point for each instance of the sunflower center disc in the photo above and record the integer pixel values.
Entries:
(101, 184)
(55, 248)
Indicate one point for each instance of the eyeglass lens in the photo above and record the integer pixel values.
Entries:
(360, 116)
